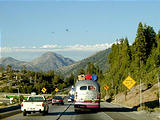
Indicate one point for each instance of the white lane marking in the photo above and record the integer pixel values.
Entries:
(107, 116)
(61, 113)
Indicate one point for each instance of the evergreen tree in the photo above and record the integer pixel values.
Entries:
(140, 45)
(158, 41)
(1, 68)
(150, 37)
(81, 71)
(90, 68)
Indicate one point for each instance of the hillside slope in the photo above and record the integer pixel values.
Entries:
(16, 64)
(99, 59)
(132, 99)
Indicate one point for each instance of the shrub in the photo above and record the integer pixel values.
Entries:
(3, 104)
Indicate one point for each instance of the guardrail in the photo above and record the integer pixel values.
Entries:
(8, 111)
(10, 108)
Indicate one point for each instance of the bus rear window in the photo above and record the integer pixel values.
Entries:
(83, 88)
(91, 88)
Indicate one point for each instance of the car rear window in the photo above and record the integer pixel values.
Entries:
(36, 99)
(58, 98)
(83, 88)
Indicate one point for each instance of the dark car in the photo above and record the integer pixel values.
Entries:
(57, 100)
(71, 98)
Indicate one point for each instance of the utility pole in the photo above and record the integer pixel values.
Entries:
(158, 88)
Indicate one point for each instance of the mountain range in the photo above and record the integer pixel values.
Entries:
(47, 61)
(98, 59)
(53, 61)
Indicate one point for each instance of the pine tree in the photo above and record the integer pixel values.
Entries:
(140, 45)
(90, 68)
(150, 37)
(158, 41)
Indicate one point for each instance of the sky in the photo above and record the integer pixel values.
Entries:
(73, 28)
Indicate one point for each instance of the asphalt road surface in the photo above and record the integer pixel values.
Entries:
(66, 112)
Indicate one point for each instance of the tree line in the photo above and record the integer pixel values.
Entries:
(141, 60)
(28, 81)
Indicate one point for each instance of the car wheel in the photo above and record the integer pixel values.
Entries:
(43, 113)
(75, 110)
(24, 113)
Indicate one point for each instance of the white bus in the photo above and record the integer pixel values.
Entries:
(87, 95)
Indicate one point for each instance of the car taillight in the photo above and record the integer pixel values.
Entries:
(42, 104)
(21, 105)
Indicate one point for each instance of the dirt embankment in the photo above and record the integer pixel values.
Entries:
(132, 99)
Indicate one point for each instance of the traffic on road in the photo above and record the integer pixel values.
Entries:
(83, 103)
(107, 111)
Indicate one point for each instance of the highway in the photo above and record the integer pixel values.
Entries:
(108, 111)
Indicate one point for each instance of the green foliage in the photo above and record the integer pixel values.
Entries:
(81, 71)
(15, 99)
(70, 80)
(156, 109)
(1, 68)
(21, 98)
(29, 81)
(3, 104)
(139, 60)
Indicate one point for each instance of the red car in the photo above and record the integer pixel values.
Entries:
(57, 100)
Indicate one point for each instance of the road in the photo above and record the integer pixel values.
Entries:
(66, 112)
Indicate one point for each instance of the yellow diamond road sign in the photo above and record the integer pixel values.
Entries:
(106, 87)
(129, 82)
(44, 90)
(56, 89)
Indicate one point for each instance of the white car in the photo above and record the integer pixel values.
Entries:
(70, 98)
(34, 103)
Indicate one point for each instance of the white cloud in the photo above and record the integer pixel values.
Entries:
(55, 48)
(95, 47)
(51, 46)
